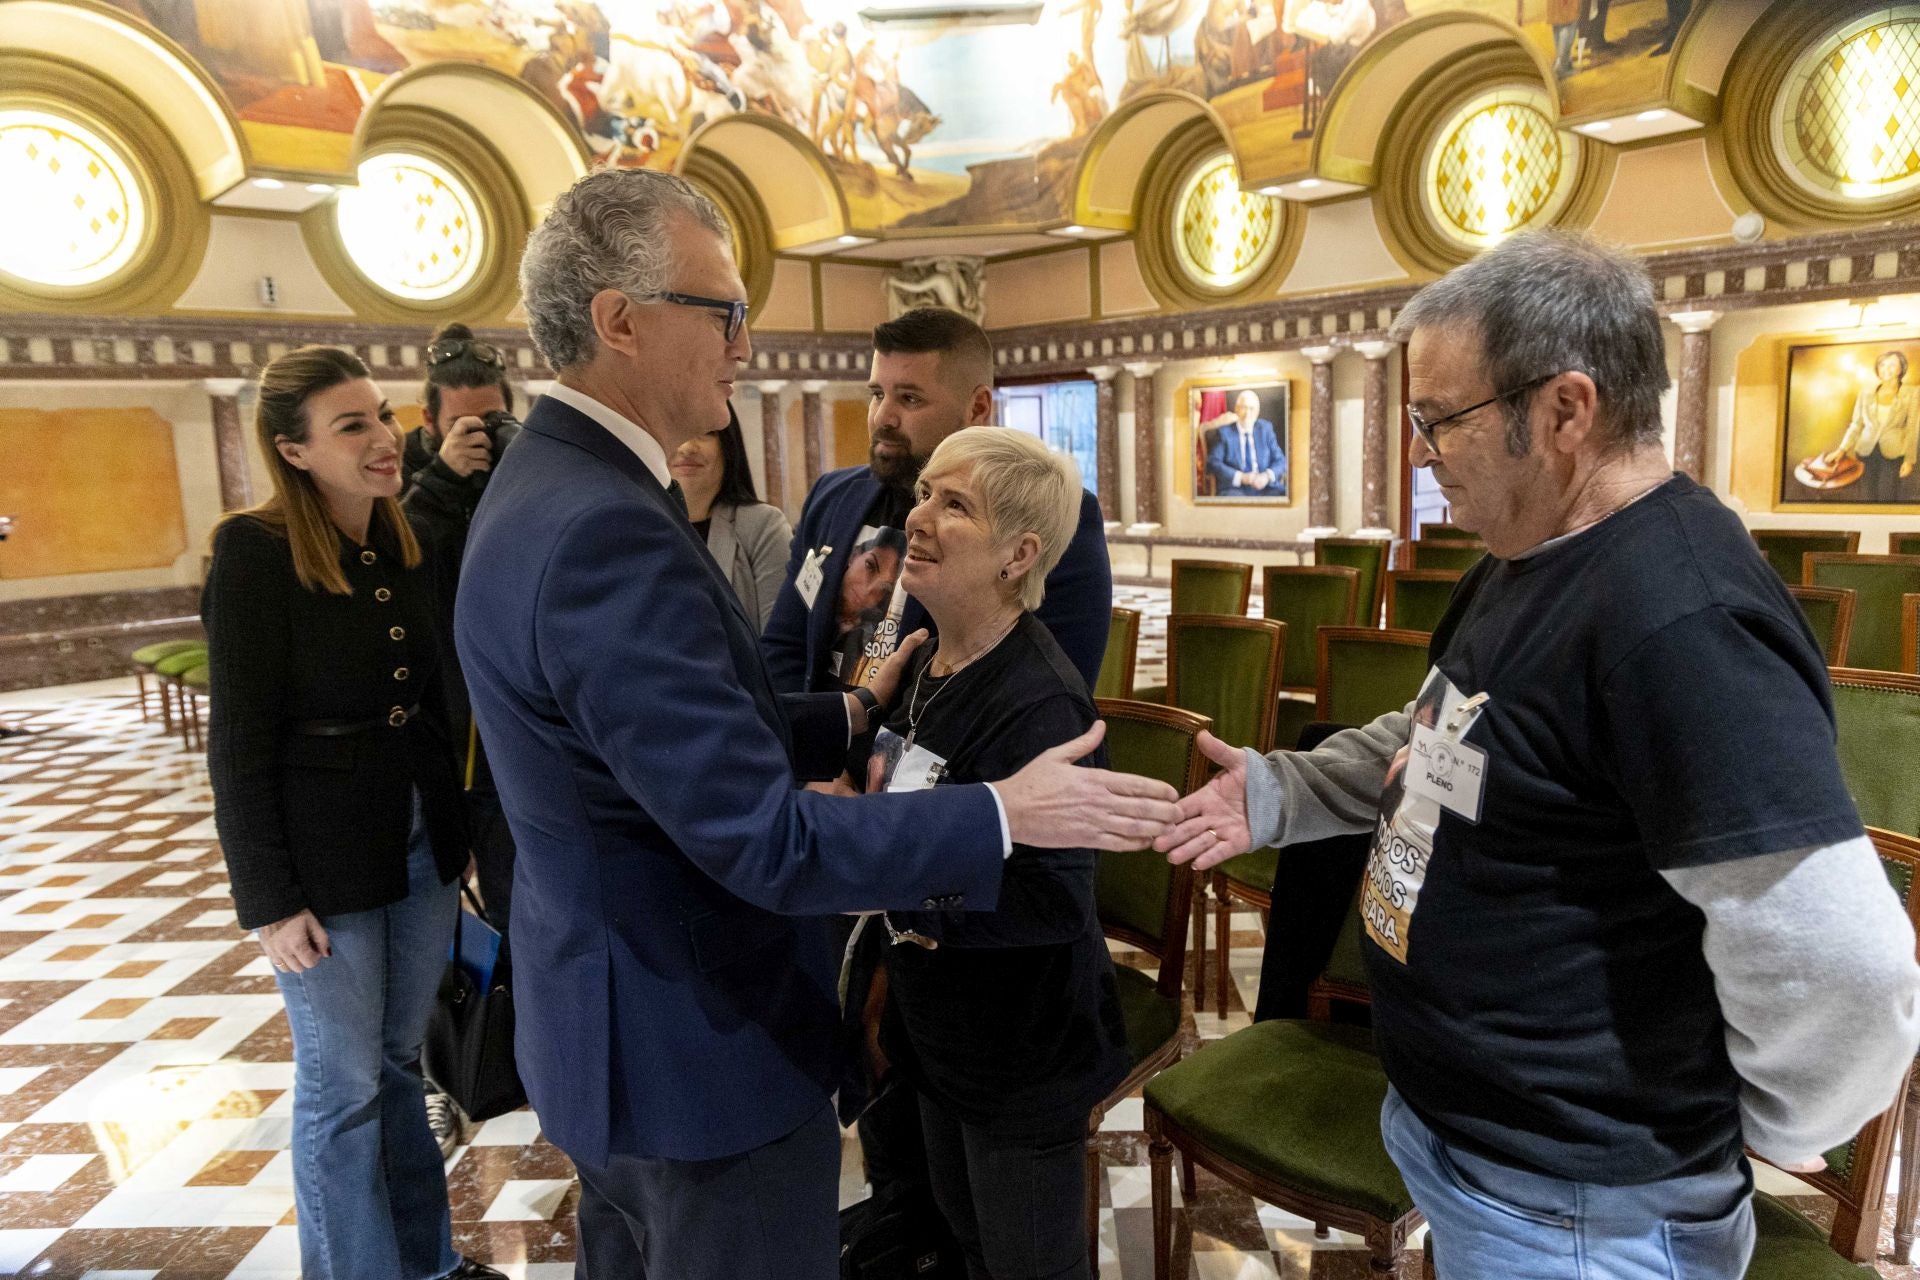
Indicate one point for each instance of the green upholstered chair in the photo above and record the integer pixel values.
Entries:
(143, 658)
(1249, 879)
(193, 691)
(1447, 553)
(1856, 1172)
(1878, 714)
(1307, 597)
(1143, 901)
(1435, 532)
(1123, 645)
(1829, 612)
(1211, 586)
(1228, 670)
(167, 672)
(1365, 673)
(1789, 1247)
(1287, 1111)
(1903, 544)
(1369, 556)
(1418, 598)
(1878, 583)
(1910, 633)
(1784, 548)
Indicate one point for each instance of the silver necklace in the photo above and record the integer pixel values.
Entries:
(913, 714)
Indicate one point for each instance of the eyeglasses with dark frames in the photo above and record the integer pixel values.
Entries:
(446, 349)
(1428, 428)
(735, 312)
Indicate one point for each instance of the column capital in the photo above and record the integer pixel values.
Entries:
(769, 386)
(1143, 368)
(1694, 321)
(1376, 350)
(223, 386)
(1103, 372)
(1320, 355)
(814, 386)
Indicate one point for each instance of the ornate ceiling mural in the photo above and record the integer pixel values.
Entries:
(974, 122)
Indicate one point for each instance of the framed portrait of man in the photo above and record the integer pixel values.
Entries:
(1850, 434)
(1239, 433)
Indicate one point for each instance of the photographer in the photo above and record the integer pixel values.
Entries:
(468, 425)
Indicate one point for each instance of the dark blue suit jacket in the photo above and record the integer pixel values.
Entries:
(1077, 608)
(669, 1003)
(1223, 459)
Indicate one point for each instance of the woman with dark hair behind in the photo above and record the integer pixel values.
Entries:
(748, 538)
(338, 808)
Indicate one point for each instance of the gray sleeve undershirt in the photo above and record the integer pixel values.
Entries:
(1333, 790)
(1813, 960)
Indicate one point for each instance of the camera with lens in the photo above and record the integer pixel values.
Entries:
(502, 429)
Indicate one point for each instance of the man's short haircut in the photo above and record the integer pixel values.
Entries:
(1550, 302)
(962, 344)
(607, 231)
(464, 370)
(1025, 488)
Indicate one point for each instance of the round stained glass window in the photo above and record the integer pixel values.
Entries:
(1498, 165)
(1847, 120)
(75, 212)
(1223, 236)
(411, 227)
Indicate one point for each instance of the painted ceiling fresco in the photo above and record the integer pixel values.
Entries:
(925, 125)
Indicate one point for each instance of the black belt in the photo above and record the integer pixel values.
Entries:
(394, 719)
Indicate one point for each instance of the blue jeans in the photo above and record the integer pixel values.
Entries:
(367, 1175)
(1490, 1219)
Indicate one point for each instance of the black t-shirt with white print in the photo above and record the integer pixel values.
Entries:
(868, 601)
(1013, 1021)
(1654, 700)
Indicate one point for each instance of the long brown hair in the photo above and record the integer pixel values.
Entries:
(296, 510)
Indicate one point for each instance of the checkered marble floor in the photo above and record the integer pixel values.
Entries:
(145, 1067)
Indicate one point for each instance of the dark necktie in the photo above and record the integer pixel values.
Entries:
(1246, 451)
(678, 495)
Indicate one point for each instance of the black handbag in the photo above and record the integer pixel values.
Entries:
(469, 1046)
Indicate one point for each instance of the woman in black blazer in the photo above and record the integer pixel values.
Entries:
(338, 808)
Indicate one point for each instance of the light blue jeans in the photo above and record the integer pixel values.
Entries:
(367, 1175)
(1492, 1220)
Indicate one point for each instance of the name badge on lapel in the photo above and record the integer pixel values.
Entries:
(812, 573)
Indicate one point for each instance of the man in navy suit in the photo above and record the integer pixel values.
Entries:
(1245, 459)
(932, 374)
(677, 1008)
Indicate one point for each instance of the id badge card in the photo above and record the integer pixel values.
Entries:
(812, 573)
(1447, 771)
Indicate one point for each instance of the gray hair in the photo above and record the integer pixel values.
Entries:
(606, 231)
(1549, 302)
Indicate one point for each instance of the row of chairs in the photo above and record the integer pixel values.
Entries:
(1287, 1110)
(1786, 549)
(173, 673)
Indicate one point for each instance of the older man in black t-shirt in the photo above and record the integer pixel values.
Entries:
(1619, 907)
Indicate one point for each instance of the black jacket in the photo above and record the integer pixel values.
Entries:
(321, 822)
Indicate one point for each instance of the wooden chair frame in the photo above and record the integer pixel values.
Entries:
(1386, 546)
(1171, 950)
(1898, 542)
(1851, 536)
(1245, 571)
(1842, 599)
(1397, 576)
(1440, 530)
(1910, 633)
(1323, 695)
(1448, 544)
(1130, 631)
(1811, 558)
(1279, 572)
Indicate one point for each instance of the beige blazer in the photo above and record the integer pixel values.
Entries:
(750, 544)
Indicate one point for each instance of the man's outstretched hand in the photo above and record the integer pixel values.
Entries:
(1055, 804)
(1212, 825)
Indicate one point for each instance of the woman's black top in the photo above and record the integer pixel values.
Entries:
(313, 779)
(1013, 1022)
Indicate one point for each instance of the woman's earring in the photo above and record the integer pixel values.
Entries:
(1003, 575)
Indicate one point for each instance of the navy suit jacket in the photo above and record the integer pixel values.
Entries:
(1077, 609)
(669, 1002)
(1223, 459)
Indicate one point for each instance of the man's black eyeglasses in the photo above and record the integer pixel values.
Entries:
(735, 312)
(453, 348)
(1426, 428)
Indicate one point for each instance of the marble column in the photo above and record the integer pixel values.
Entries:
(230, 441)
(1320, 478)
(1690, 406)
(813, 431)
(1376, 441)
(773, 442)
(1107, 441)
(1146, 445)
